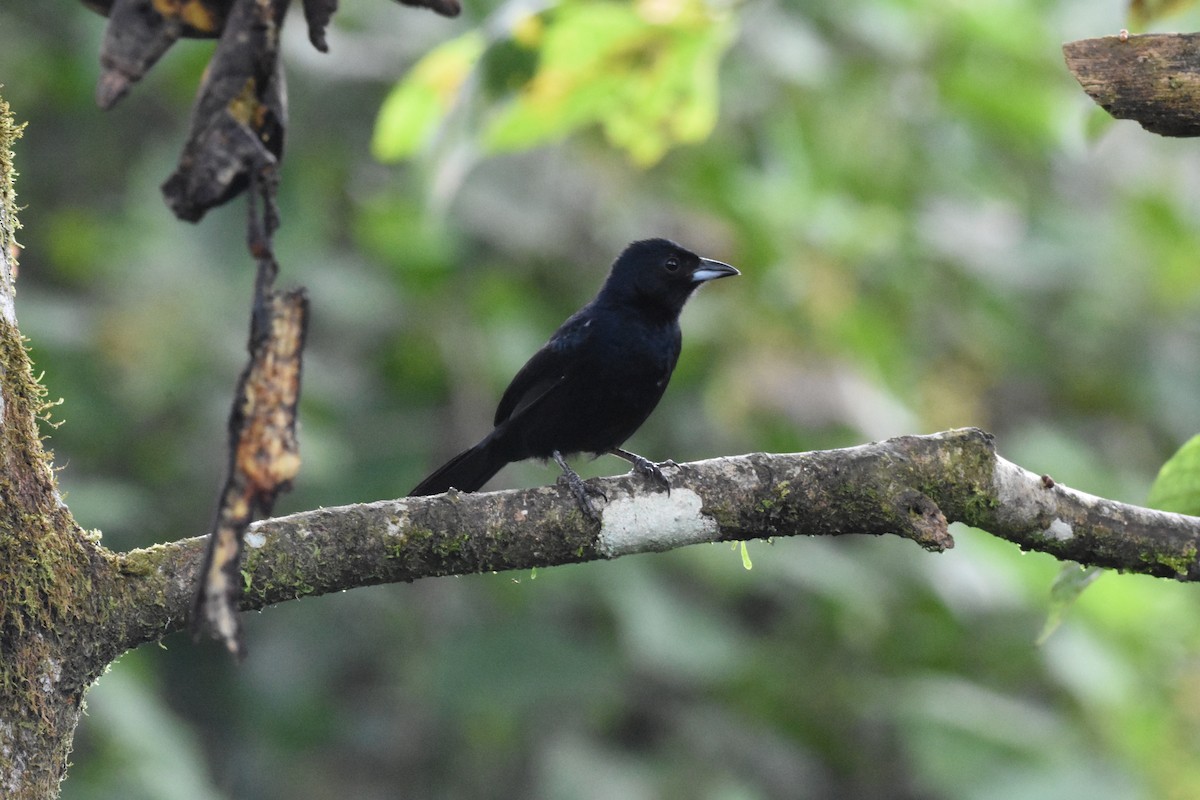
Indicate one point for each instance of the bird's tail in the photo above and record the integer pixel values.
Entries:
(466, 472)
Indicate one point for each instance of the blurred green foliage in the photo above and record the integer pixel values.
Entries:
(1145, 12)
(933, 232)
(646, 72)
(1177, 487)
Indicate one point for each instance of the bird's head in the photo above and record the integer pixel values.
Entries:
(659, 273)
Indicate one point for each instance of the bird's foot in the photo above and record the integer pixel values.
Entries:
(654, 472)
(583, 493)
(647, 468)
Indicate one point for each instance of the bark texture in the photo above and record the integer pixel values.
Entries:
(1152, 78)
(55, 585)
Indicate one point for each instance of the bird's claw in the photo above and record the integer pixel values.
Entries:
(583, 493)
(578, 488)
(654, 472)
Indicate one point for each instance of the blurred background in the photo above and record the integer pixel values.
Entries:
(936, 228)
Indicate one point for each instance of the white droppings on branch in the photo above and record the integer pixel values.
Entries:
(1060, 530)
(654, 523)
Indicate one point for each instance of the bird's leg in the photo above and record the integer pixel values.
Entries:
(578, 488)
(647, 468)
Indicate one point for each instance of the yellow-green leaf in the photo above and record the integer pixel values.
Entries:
(411, 113)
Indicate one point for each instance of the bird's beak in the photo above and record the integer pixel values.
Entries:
(710, 270)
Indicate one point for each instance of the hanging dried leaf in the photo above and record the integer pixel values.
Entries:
(264, 456)
(140, 31)
(240, 117)
(447, 8)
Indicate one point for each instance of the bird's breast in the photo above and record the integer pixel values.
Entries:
(648, 351)
(618, 370)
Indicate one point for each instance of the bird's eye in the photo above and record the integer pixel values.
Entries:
(672, 264)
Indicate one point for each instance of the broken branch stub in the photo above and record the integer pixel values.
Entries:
(1153, 79)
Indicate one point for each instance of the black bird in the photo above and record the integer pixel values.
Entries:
(597, 379)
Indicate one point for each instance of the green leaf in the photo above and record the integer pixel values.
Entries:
(1177, 487)
(1071, 581)
(1097, 123)
(416, 106)
(746, 564)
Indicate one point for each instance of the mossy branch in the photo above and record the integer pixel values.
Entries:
(9, 133)
(912, 486)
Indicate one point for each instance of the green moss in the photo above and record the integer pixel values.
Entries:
(1179, 564)
(779, 493)
(979, 505)
(136, 562)
(9, 133)
(401, 547)
(447, 546)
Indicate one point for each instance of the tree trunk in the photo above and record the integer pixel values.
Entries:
(55, 582)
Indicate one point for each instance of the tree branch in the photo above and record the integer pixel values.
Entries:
(1152, 78)
(911, 486)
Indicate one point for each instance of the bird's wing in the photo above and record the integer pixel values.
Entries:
(545, 370)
